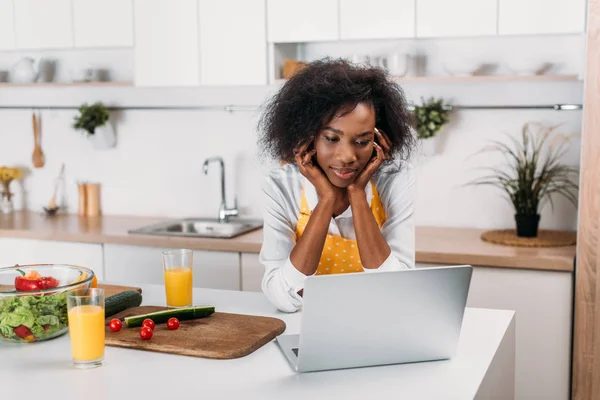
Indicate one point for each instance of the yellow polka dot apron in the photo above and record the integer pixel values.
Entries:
(339, 255)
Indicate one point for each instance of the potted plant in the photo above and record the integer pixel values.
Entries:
(534, 174)
(93, 120)
(429, 118)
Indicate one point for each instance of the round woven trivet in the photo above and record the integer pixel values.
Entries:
(545, 238)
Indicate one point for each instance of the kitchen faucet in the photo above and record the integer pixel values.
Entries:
(224, 212)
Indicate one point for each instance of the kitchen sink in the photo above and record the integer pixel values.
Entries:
(201, 227)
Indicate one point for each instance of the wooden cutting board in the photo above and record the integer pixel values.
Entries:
(109, 290)
(221, 335)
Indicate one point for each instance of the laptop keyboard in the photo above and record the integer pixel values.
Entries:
(295, 350)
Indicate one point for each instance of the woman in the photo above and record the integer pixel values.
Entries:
(342, 201)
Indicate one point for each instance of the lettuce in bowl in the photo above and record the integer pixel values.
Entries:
(39, 315)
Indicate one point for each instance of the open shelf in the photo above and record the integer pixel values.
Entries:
(486, 78)
(65, 84)
(476, 78)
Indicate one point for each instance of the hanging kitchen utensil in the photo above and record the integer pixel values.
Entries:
(52, 204)
(38, 154)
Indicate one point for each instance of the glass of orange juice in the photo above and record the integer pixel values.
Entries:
(178, 277)
(86, 327)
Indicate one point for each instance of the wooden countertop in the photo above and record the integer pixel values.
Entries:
(433, 245)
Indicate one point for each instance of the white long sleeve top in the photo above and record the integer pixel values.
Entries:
(282, 191)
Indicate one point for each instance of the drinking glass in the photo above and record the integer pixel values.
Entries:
(86, 327)
(178, 277)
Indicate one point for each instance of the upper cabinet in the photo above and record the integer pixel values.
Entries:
(7, 25)
(293, 21)
(445, 18)
(380, 19)
(541, 16)
(106, 23)
(43, 24)
(166, 43)
(233, 42)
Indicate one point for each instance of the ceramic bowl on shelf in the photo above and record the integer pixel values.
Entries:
(33, 307)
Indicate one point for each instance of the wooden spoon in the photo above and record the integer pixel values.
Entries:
(38, 154)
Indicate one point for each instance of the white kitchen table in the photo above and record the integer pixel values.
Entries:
(483, 367)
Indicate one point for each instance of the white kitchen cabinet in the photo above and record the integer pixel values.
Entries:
(106, 23)
(252, 272)
(29, 251)
(443, 18)
(7, 25)
(518, 17)
(233, 42)
(166, 43)
(377, 19)
(132, 265)
(292, 21)
(43, 24)
(542, 301)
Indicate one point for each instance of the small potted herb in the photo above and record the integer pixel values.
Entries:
(429, 118)
(533, 175)
(93, 120)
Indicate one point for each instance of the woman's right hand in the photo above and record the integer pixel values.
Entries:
(324, 188)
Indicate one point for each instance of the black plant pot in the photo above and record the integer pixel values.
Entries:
(527, 225)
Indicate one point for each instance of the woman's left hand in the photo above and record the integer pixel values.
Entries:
(382, 154)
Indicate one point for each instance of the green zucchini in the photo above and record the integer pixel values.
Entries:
(121, 301)
(181, 314)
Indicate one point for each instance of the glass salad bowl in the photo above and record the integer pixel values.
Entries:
(33, 304)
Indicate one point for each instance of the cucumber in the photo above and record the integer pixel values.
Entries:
(121, 301)
(181, 314)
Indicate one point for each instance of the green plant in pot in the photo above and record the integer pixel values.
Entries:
(430, 117)
(94, 121)
(534, 174)
(91, 117)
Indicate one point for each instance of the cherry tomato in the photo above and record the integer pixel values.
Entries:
(173, 323)
(146, 333)
(149, 323)
(115, 325)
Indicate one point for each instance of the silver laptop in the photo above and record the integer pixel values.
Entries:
(367, 319)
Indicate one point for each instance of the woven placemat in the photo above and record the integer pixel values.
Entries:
(545, 238)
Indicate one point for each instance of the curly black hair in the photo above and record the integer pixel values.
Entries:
(315, 95)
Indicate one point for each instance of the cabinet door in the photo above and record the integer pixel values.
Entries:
(7, 25)
(166, 43)
(541, 16)
(106, 23)
(252, 272)
(233, 42)
(27, 251)
(542, 301)
(134, 265)
(443, 18)
(302, 21)
(43, 24)
(380, 19)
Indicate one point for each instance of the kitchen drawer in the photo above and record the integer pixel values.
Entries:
(252, 272)
(29, 251)
(132, 265)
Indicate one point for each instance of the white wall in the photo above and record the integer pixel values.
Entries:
(156, 168)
